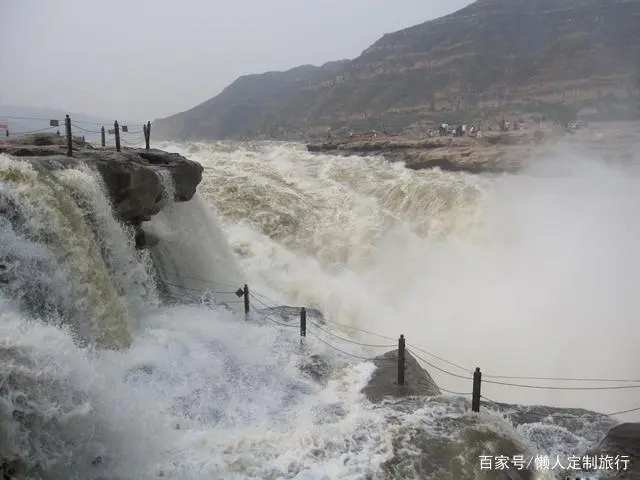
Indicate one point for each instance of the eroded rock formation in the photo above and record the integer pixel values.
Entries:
(133, 177)
(383, 381)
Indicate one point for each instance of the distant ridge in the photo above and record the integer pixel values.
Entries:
(489, 57)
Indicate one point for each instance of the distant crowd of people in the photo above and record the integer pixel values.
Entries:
(463, 130)
(455, 130)
(443, 130)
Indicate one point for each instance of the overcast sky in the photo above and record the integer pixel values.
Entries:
(144, 59)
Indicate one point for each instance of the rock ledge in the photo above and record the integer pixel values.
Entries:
(133, 177)
(383, 381)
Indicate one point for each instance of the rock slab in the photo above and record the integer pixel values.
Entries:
(383, 382)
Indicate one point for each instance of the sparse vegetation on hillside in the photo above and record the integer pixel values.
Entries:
(492, 57)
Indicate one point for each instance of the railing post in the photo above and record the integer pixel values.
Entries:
(144, 132)
(116, 130)
(67, 127)
(246, 299)
(303, 322)
(148, 139)
(102, 137)
(401, 360)
(475, 397)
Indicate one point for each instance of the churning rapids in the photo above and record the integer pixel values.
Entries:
(532, 275)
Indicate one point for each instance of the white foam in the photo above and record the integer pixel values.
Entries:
(193, 255)
(521, 275)
(471, 268)
(205, 396)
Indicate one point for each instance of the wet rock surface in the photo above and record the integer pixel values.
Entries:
(438, 436)
(316, 367)
(133, 177)
(291, 314)
(491, 154)
(383, 382)
(620, 451)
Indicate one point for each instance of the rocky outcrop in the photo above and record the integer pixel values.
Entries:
(383, 382)
(133, 177)
(145, 239)
(315, 367)
(622, 446)
(492, 153)
(623, 439)
(448, 440)
(456, 438)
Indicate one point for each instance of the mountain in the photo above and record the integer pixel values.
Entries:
(489, 58)
(245, 106)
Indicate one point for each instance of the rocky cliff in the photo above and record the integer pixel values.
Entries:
(492, 57)
(133, 177)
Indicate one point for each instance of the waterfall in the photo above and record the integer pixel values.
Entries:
(72, 280)
(193, 256)
(200, 394)
(64, 257)
(132, 271)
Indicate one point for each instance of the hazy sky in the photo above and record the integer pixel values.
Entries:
(143, 59)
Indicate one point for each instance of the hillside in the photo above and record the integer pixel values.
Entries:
(245, 106)
(492, 57)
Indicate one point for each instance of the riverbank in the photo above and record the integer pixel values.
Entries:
(492, 152)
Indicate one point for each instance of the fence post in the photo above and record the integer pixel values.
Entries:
(148, 140)
(116, 130)
(144, 132)
(67, 127)
(475, 397)
(303, 322)
(102, 137)
(7, 132)
(401, 360)
(246, 299)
